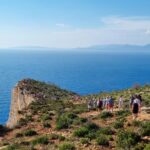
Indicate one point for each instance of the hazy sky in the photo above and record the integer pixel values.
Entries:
(73, 23)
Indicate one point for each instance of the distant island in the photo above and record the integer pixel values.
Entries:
(104, 48)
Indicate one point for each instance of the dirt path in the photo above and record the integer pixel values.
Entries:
(142, 115)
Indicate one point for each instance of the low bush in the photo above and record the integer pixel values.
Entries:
(105, 115)
(12, 147)
(122, 113)
(145, 130)
(92, 127)
(89, 131)
(102, 140)
(46, 125)
(147, 147)
(45, 117)
(67, 146)
(41, 140)
(65, 120)
(106, 131)
(84, 141)
(53, 136)
(91, 135)
(22, 122)
(18, 135)
(61, 138)
(139, 146)
(80, 108)
(81, 132)
(118, 124)
(79, 121)
(137, 123)
(127, 139)
(30, 133)
(63, 123)
(28, 118)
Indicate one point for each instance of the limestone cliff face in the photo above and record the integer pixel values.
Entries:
(29, 90)
(20, 100)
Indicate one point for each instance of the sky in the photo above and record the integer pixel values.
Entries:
(73, 23)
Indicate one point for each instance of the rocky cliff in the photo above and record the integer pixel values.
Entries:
(29, 90)
(20, 100)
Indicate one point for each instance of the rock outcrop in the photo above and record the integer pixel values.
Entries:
(29, 90)
(20, 100)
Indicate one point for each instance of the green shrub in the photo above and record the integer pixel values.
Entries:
(84, 141)
(102, 140)
(71, 115)
(136, 123)
(67, 146)
(127, 139)
(81, 132)
(80, 108)
(91, 135)
(12, 147)
(145, 130)
(79, 121)
(30, 133)
(106, 131)
(41, 140)
(28, 118)
(46, 125)
(139, 146)
(89, 131)
(53, 136)
(147, 147)
(92, 127)
(118, 124)
(105, 115)
(22, 122)
(61, 138)
(18, 135)
(45, 117)
(122, 113)
(65, 121)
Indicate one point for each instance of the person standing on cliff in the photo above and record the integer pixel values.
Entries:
(111, 104)
(120, 102)
(99, 104)
(90, 105)
(131, 100)
(136, 107)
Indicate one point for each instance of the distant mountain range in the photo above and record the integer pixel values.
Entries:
(120, 48)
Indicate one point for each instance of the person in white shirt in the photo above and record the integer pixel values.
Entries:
(136, 107)
(120, 102)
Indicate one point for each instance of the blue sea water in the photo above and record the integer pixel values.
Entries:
(81, 72)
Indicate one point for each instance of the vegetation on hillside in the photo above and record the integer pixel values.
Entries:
(59, 121)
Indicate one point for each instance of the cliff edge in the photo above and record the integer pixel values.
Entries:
(27, 91)
(20, 100)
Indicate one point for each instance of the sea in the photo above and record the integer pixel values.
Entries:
(81, 72)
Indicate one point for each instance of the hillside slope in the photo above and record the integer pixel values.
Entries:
(59, 120)
(28, 91)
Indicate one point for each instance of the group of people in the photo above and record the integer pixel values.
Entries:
(100, 104)
(107, 103)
